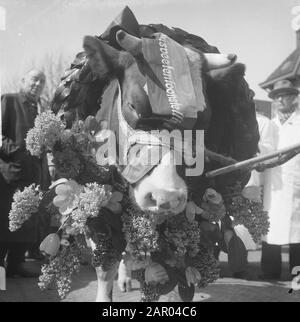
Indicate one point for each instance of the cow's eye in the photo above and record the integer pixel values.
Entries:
(131, 106)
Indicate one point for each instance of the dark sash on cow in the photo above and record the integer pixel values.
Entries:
(177, 96)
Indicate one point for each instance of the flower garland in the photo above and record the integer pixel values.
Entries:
(175, 243)
(163, 250)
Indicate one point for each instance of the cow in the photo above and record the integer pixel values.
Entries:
(160, 189)
(118, 76)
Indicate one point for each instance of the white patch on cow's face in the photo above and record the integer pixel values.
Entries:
(163, 191)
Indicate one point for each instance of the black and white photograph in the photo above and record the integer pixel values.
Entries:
(150, 153)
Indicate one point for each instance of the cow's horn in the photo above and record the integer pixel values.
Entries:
(215, 61)
(128, 42)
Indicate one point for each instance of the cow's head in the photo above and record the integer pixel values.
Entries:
(160, 187)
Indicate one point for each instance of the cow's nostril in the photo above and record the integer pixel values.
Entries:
(150, 196)
(150, 200)
(165, 205)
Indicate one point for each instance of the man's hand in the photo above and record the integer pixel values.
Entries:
(11, 172)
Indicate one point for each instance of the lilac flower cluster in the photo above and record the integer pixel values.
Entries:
(105, 255)
(47, 130)
(207, 265)
(60, 270)
(251, 215)
(183, 235)
(140, 231)
(88, 204)
(25, 203)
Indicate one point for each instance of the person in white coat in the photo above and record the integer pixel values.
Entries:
(258, 188)
(284, 202)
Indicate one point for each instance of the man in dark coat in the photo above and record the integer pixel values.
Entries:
(18, 168)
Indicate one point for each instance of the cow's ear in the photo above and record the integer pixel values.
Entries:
(231, 74)
(131, 44)
(102, 58)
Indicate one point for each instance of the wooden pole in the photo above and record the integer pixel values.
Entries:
(250, 162)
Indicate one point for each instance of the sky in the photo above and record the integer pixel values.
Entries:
(258, 31)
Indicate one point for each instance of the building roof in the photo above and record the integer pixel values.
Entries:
(289, 69)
